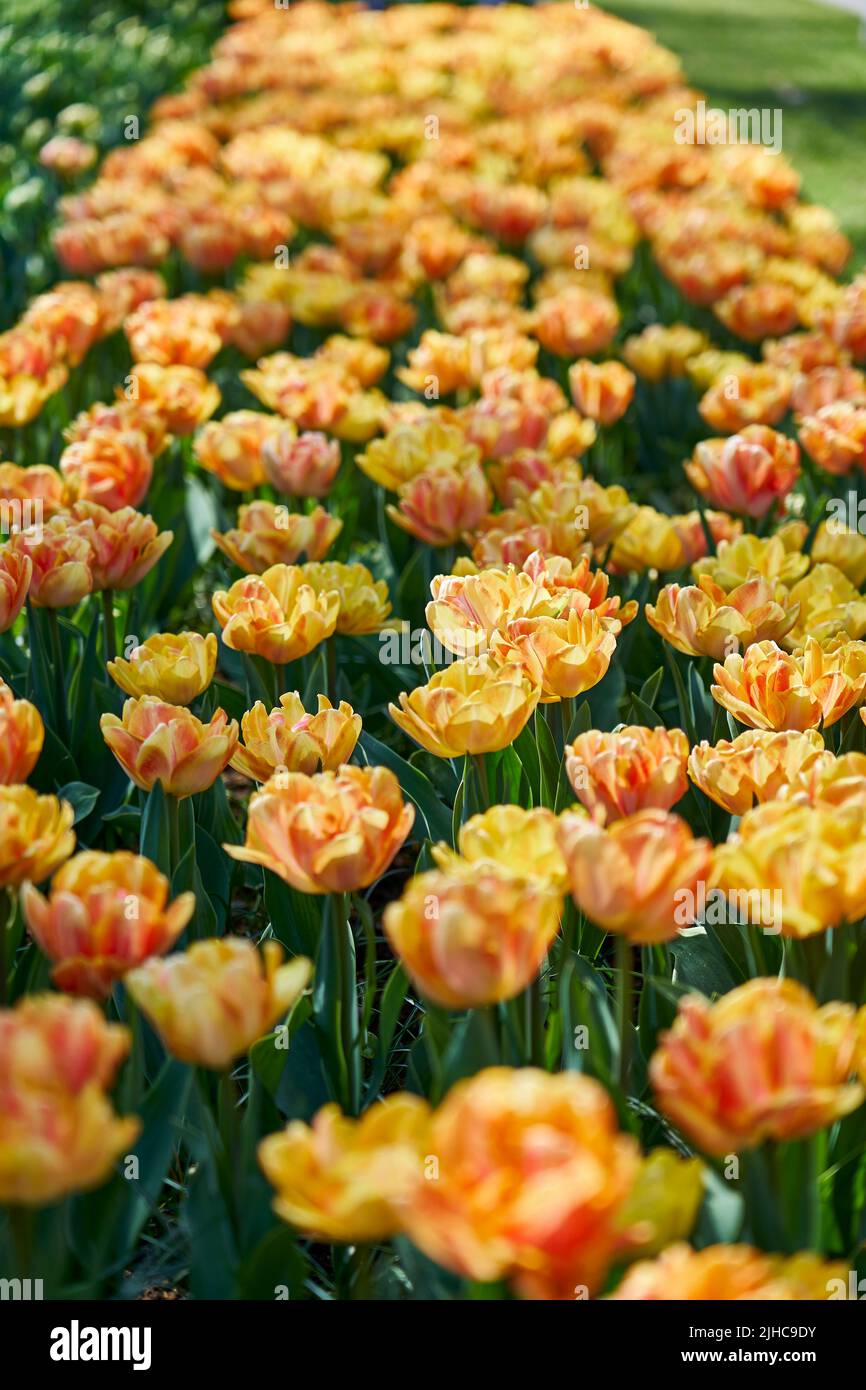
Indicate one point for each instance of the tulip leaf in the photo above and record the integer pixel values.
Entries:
(436, 821)
(276, 1269)
(81, 797)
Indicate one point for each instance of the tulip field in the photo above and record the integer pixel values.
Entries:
(433, 657)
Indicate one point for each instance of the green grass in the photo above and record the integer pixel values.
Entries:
(804, 58)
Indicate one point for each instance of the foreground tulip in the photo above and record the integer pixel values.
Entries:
(334, 832)
(746, 473)
(755, 766)
(58, 1132)
(210, 1003)
(36, 835)
(61, 560)
(564, 656)
(15, 571)
(806, 860)
(290, 740)
(472, 706)
(157, 742)
(343, 1179)
(269, 535)
(763, 1062)
(105, 914)
(768, 689)
(702, 620)
(639, 877)
(532, 1174)
(728, 1273)
(277, 615)
(472, 935)
(21, 736)
(511, 838)
(632, 769)
(173, 667)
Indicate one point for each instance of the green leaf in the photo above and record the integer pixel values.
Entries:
(435, 817)
(81, 797)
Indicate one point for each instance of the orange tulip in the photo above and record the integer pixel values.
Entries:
(60, 564)
(632, 769)
(290, 740)
(768, 689)
(763, 1062)
(111, 467)
(638, 877)
(746, 473)
(124, 545)
(751, 394)
(303, 465)
(157, 742)
(210, 1003)
(183, 396)
(16, 568)
(105, 914)
(565, 656)
(531, 1175)
(277, 615)
(472, 935)
(334, 832)
(835, 436)
(231, 448)
(757, 765)
(728, 1273)
(21, 736)
(269, 535)
(602, 391)
(36, 835)
(440, 505)
(702, 620)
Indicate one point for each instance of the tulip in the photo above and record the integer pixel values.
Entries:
(105, 914)
(757, 765)
(40, 490)
(467, 610)
(231, 448)
(173, 667)
(60, 561)
(509, 838)
(472, 706)
(440, 505)
(277, 615)
(16, 568)
(632, 769)
(775, 558)
(835, 545)
(576, 322)
(809, 858)
(21, 736)
(340, 1179)
(303, 465)
(828, 605)
(364, 602)
(531, 1177)
(269, 535)
(664, 1202)
(58, 1133)
(835, 436)
(768, 689)
(830, 781)
(639, 876)
(290, 740)
(763, 1062)
(565, 656)
(210, 1003)
(183, 396)
(752, 394)
(729, 1273)
(702, 620)
(111, 467)
(662, 350)
(157, 742)
(602, 391)
(174, 332)
(124, 545)
(36, 835)
(473, 935)
(746, 473)
(335, 832)
(410, 449)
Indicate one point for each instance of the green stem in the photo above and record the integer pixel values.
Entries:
(534, 1024)
(59, 675)
(331, 668)
(480, 765)
(6, 916)
(625, 1004)
(108, 624)
(172, 806)
(348, 1030)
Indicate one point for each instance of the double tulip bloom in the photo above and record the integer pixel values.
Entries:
(277, 615)
(334, 832)
(16, 569)
(746, 473)
(157, 742)
(510, 838)
(763, 1062)
(210, 1003)
(768, 689)
(21, 736)
(36, 835)
(756, 766)
(105, 914)
(563, 656)
(602, 391)
(632, 769)
(730, 1273)
(473, 706)
(267, 534)
(290, 740)
(174, 668)
(340, 1179)
(702, 620)
(58, 1132)
(231, 448)
(474, 933)
(639, 876)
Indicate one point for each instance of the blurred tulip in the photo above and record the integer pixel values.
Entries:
(105, 914)
(729, 1273)
(303, 465)
(36, 835)
(272, 535)
(183, 396)
(410, 449)
(111, 467)
(16, 568)
(756, 766)
(439, 505)
(746, 473)
(232, 448)
(210, 1003)
(602, 391)
(21, 736)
